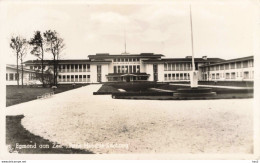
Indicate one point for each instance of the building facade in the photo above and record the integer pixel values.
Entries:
(29, 76)
(239, 69)
(146, 67)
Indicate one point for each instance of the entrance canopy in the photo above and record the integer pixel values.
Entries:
(127, 77)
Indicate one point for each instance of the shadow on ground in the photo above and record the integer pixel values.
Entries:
(16, 133)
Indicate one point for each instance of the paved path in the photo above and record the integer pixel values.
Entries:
(79, 119)
(216, 86)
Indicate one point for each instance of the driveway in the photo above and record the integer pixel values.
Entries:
(79, 119)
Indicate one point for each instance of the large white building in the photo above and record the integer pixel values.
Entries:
(105, 67)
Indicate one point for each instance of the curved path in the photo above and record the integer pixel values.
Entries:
(101, 124)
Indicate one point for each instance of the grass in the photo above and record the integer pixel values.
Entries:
(16, 133)
(223, 83)
(16, 95)
(133, 86)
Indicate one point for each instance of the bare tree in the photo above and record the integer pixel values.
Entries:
(23, 53)
(19, 45)
(55, 46)
(37, 42)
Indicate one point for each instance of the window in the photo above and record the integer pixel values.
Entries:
(173, 76)
(126, 59)
(123, 69)
(134, 59)
(238, 64)
(177, 76)
(68, 78)
(99, 69)
(134, 68)
(138, 69)
(16, 76)
(217, 67)
(227, 76)
(76, 68)
(138, 59)
(233, 75)
(245, 64)
(7, 76)
(165, 76)
(177, 67)
(173, 67)
(213, 76)
(88, 67)
(31, 67)
(130, 59)
(181, 76)
(76, 78)
(246, 75)
(80, 68)
(72, 78)
(185, 76)
(115, 69)
(126, 69)
(169, 67)
(84, 68)
(59, 77)
(233, 65)
(181, 67)
(84, 77)
(165, 66)
(130, 69)
(114, 59)
(64, 78)
(169, 76)
(80, 78)
(72, 68)
(226, 66)
(222, 67)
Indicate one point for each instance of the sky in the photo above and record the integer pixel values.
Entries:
(223, 29)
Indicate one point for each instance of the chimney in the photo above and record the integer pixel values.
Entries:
(204, 57)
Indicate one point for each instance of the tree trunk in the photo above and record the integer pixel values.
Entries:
(42, 67)
(17, 69)
(54, 70)
(22, 70)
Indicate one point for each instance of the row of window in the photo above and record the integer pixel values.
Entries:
(177, 67)
(126, 60)
(74, 78)
(177, 76)
(234, 65)
(11, 76)
(37, 67)
(74, 68)
(127, 69)
(231, 75)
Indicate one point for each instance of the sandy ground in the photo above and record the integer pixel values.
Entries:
(101, 124)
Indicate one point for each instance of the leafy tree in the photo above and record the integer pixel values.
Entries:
(19, 45)
(37, 43)
(54, 45)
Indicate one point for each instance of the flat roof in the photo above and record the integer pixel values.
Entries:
(183, 60)
(230, 61)
(19, 68)
(71, 61)
(141, 55)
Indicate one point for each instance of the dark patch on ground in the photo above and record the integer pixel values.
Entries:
(16, 133)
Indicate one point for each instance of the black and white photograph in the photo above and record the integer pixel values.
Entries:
(130, 79)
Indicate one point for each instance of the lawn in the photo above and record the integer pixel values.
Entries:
(16, 95)
(130, 87)
(16, 133)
